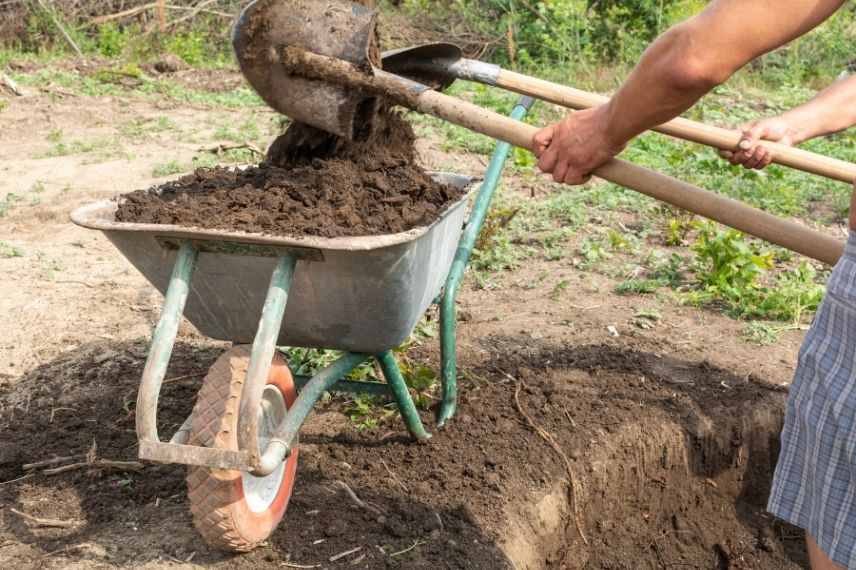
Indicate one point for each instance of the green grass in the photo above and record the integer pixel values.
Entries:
(367, 411)
(141, 129)
(8, 251)
(638, 286)
(248, 130)
(761, 333)
(77, 147)
(167, 169)
(8, 202)
(145, 88)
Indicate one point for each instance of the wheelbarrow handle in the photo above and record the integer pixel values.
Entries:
(418, 97)
(681, 128)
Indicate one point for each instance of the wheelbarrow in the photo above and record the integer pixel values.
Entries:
(359, 295)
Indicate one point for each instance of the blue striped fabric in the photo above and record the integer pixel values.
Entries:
(815, 482)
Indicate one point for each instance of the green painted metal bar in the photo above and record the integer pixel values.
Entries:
(349, 386)
(310, 394)
(402, 395)
(264, 346)
(163, 340)
(449, 402)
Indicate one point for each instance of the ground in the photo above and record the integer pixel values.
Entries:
(595, 431)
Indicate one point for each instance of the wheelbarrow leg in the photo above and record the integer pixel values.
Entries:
(448, 352)
(448, 356)
(163, 340)
(264, 346)
(402, 395)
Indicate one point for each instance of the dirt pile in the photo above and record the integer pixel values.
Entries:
(311, 184)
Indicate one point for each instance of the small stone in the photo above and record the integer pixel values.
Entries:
(432, 522)
(104, 356)
(396, 529)
(170, 63)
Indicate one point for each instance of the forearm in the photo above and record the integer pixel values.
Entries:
(690, 59)
(832, 110)
(664, 84)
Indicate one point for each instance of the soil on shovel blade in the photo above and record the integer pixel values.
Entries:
(311, 185)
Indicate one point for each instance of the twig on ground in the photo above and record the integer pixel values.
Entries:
(408, 549)
(182, 377)
(358, 559)
(97, 464)
(202, 11)
(359, 502)
(293, 565)
(21, 478)
(589, 308)
(123, 14)
(47, 523)
(13, 87)
(394, 477)
(439, 520)
(74, 282)
(551, 441)
(346, 553)
(194, 12)
(53, 461)
(61, 28)
(55, 410)
(51, 90)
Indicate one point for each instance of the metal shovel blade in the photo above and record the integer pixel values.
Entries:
(427, 63)
(335, 28)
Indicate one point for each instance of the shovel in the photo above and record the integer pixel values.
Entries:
(442, 63)
(331, 82)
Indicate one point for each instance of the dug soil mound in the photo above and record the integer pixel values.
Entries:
(311, 185)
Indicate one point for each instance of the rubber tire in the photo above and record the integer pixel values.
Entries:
(220, 510)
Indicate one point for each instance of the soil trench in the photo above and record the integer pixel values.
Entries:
(672, 462)
(312, 184)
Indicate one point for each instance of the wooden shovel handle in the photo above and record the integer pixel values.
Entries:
(730, 212)
(686, 129)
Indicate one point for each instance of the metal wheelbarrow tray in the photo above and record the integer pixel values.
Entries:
(360, 294)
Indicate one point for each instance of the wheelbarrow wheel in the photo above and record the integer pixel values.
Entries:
(234, 510)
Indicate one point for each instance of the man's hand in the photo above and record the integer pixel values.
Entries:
(572, 148)
(750, 152)
(830, 111)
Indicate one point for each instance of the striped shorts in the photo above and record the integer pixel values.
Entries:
(815, 482)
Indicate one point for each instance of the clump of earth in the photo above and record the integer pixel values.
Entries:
(311, 184)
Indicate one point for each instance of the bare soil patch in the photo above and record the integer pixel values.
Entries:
(671, 468)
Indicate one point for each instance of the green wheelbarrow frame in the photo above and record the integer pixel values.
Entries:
(332, 378)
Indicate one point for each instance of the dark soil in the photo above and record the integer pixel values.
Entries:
(312, 185)
(673, 461)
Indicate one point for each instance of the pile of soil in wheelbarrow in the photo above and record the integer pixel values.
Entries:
(311, 185)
